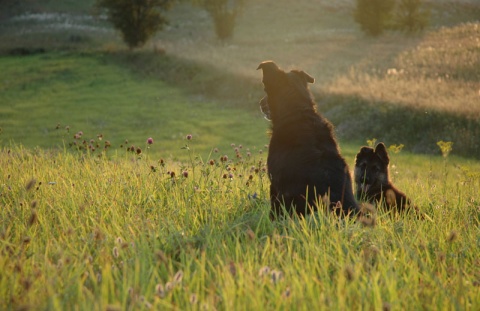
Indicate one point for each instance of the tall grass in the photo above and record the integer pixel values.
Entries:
(124, 231)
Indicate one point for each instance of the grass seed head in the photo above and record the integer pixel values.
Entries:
(169, 286)
(115, 252)
(276, 276)
(265, 270)
(349, 273)
(232, 268)
(368, 221)
(161, 257)
(452, 236)
(30, 184)
(160, 291)
(33, 218)
(177, 279)
(193, 299)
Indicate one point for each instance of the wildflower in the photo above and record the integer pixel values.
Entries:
(139, 151)
(224, 158)
(445, 147)
(172, 174)
(185, 174)
(287, 292)
(230, 176)
(212, 162)
(150, 141)
(215, 150)
(58, 126)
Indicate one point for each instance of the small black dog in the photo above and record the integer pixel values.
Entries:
(304, 162)
(372, 179)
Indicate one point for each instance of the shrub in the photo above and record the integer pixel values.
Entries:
(224, 14)
(410, 17)
(137, 20)
(373, 16)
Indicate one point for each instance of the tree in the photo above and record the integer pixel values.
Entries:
(374, 15)
(137, 20)
(224, 14)
(410, 17)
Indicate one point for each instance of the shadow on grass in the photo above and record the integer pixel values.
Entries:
(355, 118)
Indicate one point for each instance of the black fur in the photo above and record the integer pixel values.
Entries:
(372, 179)
(304, 161)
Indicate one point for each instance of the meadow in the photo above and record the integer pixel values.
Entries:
(94, 216)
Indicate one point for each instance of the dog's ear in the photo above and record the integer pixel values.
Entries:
(270, 71)
(381, 152)
(304, 76)
(364, 151)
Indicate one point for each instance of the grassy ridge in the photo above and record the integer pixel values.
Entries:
(84, 232)
(430, 78)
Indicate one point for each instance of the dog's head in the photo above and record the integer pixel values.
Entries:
(371, 168)
(285, 91)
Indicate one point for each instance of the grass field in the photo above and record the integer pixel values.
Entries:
(92, 217)
(89, 233)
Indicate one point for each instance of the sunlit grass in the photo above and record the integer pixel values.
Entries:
(120, 231)
(56, 95)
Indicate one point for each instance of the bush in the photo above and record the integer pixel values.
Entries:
(410, 17)
(137, 20)
(223, 13)
(373, 15)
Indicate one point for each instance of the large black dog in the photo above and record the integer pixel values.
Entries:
(304, 162)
